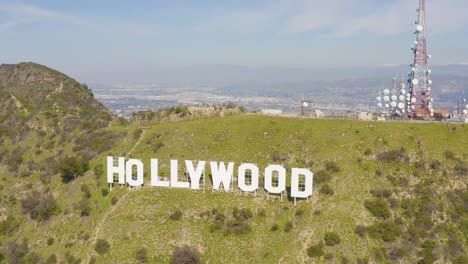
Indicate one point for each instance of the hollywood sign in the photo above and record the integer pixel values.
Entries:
(131, 172)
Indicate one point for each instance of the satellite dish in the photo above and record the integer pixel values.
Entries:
(466, 106)
(402, 86)
(402, 98)
(419, 27)
(386, 92)
(432, 114)
(379, 98)
(379, 104)
(403, 91)
(401, 105)
(393, 104)
(386, 98)
(429, 81)
(415, 81)
(465, 112)
(429, 88)
(415, 42)
(413, 107)
(386, 105)
(403, 110)
(429, 71)
(305, 104)
(432, 99)
(413, 100)
(430, 56)
(413, 69)
(394, 97)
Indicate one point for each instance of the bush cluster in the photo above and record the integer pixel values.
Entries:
(39, 206)
(185, 255)
(378, 208)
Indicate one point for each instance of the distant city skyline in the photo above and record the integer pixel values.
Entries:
(80, 37)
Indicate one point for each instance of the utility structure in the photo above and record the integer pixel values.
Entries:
(419, 95)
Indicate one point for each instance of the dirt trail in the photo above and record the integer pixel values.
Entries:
(95, 234)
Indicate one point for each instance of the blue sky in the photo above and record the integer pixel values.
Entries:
(87, 35)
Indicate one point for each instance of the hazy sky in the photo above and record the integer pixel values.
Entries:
(93, 35)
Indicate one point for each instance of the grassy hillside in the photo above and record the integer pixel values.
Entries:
(383, 192)
(390, 192)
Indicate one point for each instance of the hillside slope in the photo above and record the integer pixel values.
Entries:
(383, 192)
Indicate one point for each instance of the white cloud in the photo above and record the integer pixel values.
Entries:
(351, 17)
(18, 14)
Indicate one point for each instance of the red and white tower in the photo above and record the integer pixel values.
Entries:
(419, 82)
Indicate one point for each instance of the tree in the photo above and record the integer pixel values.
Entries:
(72, 167)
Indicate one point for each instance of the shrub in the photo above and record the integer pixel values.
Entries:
(435, 164)
(276, 156)
(185, 255)
(274, 227)
(142, 255)
(381, 193)
(321, 176)
(102, 246)
(387, 231)
(326, 189)
(98, 171)
(137, 134)
(8, 226)
(393, 156)
(16, 252)
(362, 261)
(83, 206)
(50, 241)
(449, 154)
(85, 189)
(332, 166)
(176, 215)
(288, 226)
(52, 259)
(39, 206)
(360, 230)
(367, 152)
(158, 146)
(378, 208)
(461, 169)
(332, 239)
(316, 250)
(105, 192)
(299, 211)
(114, 200)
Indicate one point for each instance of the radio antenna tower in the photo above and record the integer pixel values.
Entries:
(419, 82)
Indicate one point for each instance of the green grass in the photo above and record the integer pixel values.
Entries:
(142, 218)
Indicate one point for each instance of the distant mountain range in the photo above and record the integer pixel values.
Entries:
(237, 74)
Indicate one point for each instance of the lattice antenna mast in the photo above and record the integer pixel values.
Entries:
(419, 82)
